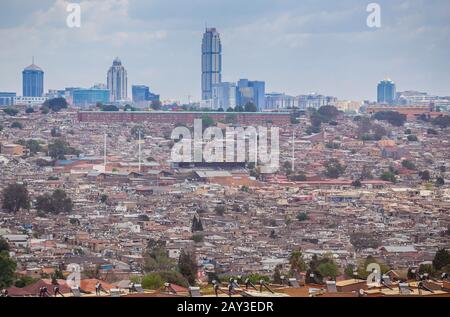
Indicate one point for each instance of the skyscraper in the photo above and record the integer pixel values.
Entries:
(142, 95)
(33, 81)
(224, 95)
(211, 62)
(386, 92)
(251, 92)
(117, 81)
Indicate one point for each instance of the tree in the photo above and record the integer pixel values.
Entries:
(220, 210)
(138, 130)
(441, 121)
(109, 108)
(152, 281)
(156, 105)
(16, 125)
(357, 183)
(32, 145)
(250, 107)
(239, 109)
(389, 177)
(362, 268)
(29, 110)
(412, 138)
(328, 113)
(196, 224)
(156, 257)
(7, 269)
(15, 197)
(207, 121)
(408, 165)
(393, 117)
(56, 104)
(55, 133)
(364, 240)
(4, 246)
(440, 181)
(302, 216)
(56, 203)
(45, 110)
(277, 275)
(103, 198)
(441, 259)
(60, 148)
(328, 269)
(334, 169)
(129, 108)
(197, 238)
(11, 112)
(296, 262)
(425, 175)
(188, 266)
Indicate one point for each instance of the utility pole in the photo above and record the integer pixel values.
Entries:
(293, 150)
(104, 152)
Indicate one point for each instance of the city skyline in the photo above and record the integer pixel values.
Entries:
(286, 44)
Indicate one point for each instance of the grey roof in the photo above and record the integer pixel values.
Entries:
(34, 67)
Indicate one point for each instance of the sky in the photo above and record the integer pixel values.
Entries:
(296, 46)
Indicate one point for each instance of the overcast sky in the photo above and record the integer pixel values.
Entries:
(296, 46)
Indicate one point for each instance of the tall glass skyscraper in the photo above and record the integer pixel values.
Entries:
(211, 62)
(33, 81)
(117, 81)
(251, 92)
(386, 92)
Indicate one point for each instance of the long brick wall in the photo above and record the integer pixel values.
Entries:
(244, 118)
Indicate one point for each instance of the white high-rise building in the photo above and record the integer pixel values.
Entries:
(118, 81)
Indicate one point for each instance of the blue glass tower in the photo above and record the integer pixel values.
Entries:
(211, 62)
(386, 92)
(33, 81)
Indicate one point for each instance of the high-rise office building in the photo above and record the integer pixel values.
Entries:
(117, 81)
(142, 94)
(251, 92)
(89, 97)
(211, 62)
(224, 96)
(33, 81)
(7, 98)
(386, 93)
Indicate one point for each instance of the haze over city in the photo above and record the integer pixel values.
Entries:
(296, 47)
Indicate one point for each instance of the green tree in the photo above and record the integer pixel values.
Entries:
(11, 112)
(16, 125)
(7, 269)
(196, 224)
(29, 110)
(156, 105)
(220, 210)
(440, 181)
(334, 169)
(207, 121)
(250, 107)
(156, 257)
(412, 138)
(393, 117)
(425, 175)
(441, 259)
(4, 246)
(297, 262)
(408, 164)
(302, 216)
(15, 197)
(60, 148)
(138, 130)
(357, 183)
(277, 275)
(56, 203)
(364, 240)
(188, 266)
(152, 281)
(56, 104)
(109, 108)
(389, 177)
(328, 269)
